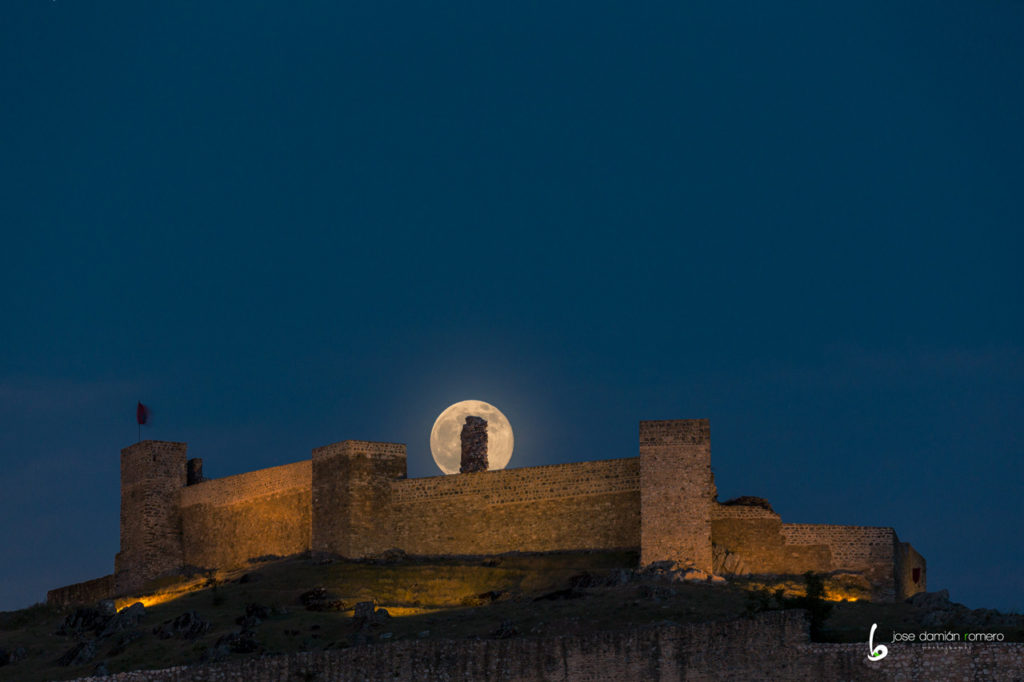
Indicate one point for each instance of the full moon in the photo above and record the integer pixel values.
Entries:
(446, 436)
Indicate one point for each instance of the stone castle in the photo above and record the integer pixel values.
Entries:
(353, 499)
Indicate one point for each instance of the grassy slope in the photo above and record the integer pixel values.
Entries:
(428, 599)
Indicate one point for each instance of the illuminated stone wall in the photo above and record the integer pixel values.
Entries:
(585, 505)
(869, 549)
(755, 535)
(351, 495)
(227, 521)
(353, 499)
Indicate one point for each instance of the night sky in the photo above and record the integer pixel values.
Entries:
(283, 225)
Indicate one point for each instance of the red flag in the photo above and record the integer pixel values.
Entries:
(141, 414)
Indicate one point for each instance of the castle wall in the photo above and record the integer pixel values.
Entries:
(870, 549)
(755, 535)
(152, 472)
(353, 499)
(675, 492)
(351, 493)
(88, 592)
(227, 521)
(907, 560)
(585, 505)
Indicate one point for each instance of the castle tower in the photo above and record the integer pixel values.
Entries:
(474, 445)
(152, 474)
(351, 496)
(675, 492)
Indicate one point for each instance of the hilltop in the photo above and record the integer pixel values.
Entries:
(286, 605)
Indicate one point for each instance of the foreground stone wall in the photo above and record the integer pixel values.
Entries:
(772, 646)
(227, 521)
(585, 505)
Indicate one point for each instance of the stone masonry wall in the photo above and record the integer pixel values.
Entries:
(88, 592)
(908, 559)
(675, 492)
(771, 646)
(870, 549)
(227, 521)
(474, 445)
(351, 496)
(152, 472)
(585, 505)
(759, 543)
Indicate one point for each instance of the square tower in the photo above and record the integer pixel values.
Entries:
(675, 492)
(351, 496)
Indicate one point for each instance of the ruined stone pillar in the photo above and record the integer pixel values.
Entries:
(474, 445)
(195, 471)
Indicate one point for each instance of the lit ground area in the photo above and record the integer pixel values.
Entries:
(297, 604)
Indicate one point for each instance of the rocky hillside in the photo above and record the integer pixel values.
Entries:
(296, 604)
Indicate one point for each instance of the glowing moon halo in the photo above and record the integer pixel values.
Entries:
(446, 436)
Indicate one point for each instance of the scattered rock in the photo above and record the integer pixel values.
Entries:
(84, 619)
(100, 670)
(691, 575)
(655, 592)
(568, 593)
(83, 652)
(188, 625)
(506, 630)
(255, 614)
(365, 615)
(125, 619)
(660, 567)
(385, 635)
(934, 619)
(239, 642)
(319, 599)
(259, 611)
(124, 640)
(931, 600)
(107, 607)
(585, 580)
(748, 501)
(389, 556)
(423, 634)
(215, 653)
(483, 598)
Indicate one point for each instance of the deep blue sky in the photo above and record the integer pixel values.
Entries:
(283, 226)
